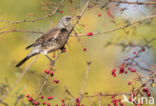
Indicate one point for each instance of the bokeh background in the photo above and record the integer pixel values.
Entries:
(71, 66)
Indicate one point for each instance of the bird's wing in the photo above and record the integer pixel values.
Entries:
(52, 34)
(45, 37)
(49, 35)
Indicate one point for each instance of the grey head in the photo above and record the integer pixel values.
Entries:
(65, 22)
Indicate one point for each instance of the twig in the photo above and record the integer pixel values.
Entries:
(47, 76)
(134, 2)
(122, 27)
(124, 93)
(85, 81)
(16, 30)
(128, 2)
(18, 80)
(79, 17)
(34, 20)
(68, 92)
(94, 33)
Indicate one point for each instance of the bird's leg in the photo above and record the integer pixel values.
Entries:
(52, 61)
(78, 38)
(62, 49)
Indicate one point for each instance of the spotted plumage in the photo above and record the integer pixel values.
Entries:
(51, 41)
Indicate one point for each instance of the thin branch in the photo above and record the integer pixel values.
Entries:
(128, 2)
(16, 30)
(134, 2)
(85, 80)
(122, 27)
(124, 93)
(79, 17)
(47, 76)
(18, 80)
(68, 92)
(34, 20)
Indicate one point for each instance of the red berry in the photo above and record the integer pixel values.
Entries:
(134, 52)
(109, 14)
(30, 99)
(90, 34)
(44, 103)
(47, 71)
(129, 68)
(130, 99)
(145, 89)
(130, 82)
(42, 97)
(56, 81)
(51, 73)
(28, 95)
(56, 105)
(77, 104)
(77, 100)
(84, 49)
(119, 99)
(50, 97)
(63, 104)
(143, 49)
(113, 96)
(35, 103)
(99, 15)
(121, 69)
(113, 71)
(148, 94)
(62, 100)
(133, 70)
(48, 104)
(61, 11)
(114, 75)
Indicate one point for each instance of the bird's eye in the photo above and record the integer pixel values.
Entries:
(68, 18)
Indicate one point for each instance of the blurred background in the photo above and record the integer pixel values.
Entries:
(102, 49)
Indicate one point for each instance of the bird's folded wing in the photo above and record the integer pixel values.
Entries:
(49, 35)
(52, 34)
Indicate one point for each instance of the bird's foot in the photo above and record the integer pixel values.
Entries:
(51, 61)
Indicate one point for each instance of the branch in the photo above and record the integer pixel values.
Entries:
(85, 80)
(16, 30)
(79, 17)
(34, 20)
(122, 27)
(18, 80)
(47, 76)
(134, 2)
(124, 93)
(128, 2)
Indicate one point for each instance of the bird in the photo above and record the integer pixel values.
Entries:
(54, 39)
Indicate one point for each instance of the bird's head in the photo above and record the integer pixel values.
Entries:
(65, 22)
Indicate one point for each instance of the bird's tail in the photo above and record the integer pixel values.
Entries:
(25, 59)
